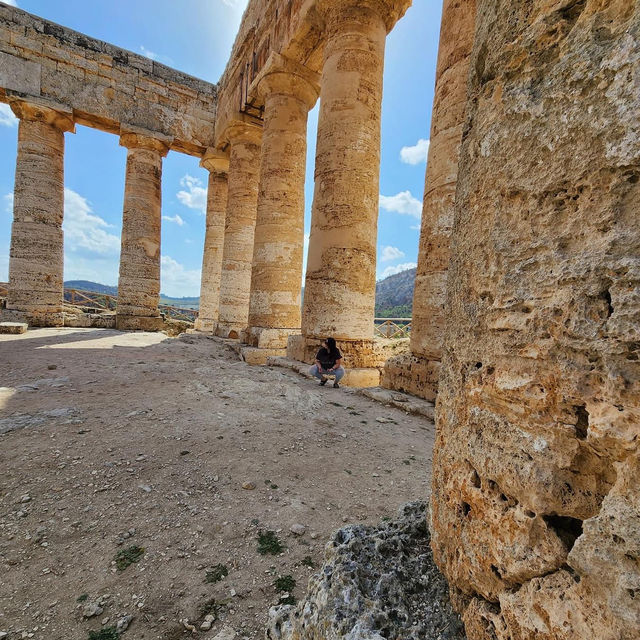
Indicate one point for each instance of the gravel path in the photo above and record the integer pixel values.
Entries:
(113, 442)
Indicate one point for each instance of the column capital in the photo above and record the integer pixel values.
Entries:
(58, 117)
(215, 161)
(281, 75)
(334, 11)
(135, 138)
(240, 131)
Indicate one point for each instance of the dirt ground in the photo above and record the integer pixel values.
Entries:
(112, 441)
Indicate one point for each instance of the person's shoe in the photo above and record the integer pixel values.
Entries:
(336, 385)
(323, 381)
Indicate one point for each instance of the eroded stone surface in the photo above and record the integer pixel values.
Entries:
(104, 85)
(289, 92)
(139, 279)
(418, 373)
(218, 167)
(537, 447)
(240, 225)
(36, 254)
(376, 582)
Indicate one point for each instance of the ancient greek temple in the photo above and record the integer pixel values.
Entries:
(527, 298)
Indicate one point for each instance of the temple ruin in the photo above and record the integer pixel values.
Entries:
(527, 297)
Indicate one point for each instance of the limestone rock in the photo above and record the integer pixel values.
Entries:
(376, 582)
(534, 506)
(13, 327)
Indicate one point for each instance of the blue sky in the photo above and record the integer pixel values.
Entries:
(196, 36)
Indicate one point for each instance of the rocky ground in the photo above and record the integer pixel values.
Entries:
(376, 582)
(140, 471)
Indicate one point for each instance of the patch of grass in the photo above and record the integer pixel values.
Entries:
(270, 484)
(335, 404)
(348, 471)
(285, 583)
(268, 543)
(307, 561)
(128, 556)
(83, 598)
(406, 461)
(217, 573)
(106, 633)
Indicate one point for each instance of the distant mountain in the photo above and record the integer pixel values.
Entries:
(394, 295)
(87, 285)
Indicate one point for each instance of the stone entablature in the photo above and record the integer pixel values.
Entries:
(296, 29)
(105, 87)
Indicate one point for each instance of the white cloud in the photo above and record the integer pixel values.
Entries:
(176, 280)
(155, 56)
(177, 219)
(85, 232)
(7, 119)
(390, 271)
(403, 203)
(91, 251)
(417, 154)
(11, 3)
(388, 254)
(8, 202)
(195, 196)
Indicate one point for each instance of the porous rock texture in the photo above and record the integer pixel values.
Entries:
(376, 583)
(535, 509)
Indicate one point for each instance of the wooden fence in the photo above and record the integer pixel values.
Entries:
(93, 302)
(105, 302)
(392, 327)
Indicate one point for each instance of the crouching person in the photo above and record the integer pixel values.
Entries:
(328, 363)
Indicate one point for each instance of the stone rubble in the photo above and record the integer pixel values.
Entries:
(376, 582)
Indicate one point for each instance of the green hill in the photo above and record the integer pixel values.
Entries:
(394, 295)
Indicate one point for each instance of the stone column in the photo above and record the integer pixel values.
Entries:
(240, 223)
(139, 281)
(37, 254)
(218, 166)
(418, 372)
(535, 503)
(341, 269)
(288, 91)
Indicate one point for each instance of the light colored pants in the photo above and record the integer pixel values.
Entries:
(338, 373)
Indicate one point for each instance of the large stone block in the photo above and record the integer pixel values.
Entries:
(13, 328)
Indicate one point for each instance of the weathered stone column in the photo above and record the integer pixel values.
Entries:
(289, 91)
(240, 223)
(37, 253)
(535, 503)
(341, 269)
(139, 281)
(218, 166)
(418, 372)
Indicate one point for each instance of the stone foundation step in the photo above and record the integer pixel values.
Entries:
(253, 355)
(13, 328)
(352, 377)
(404, 401)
